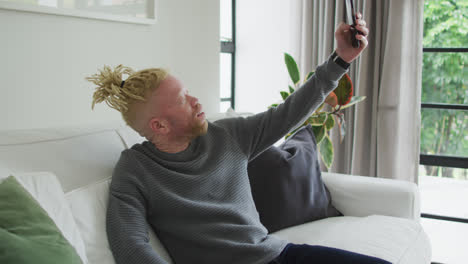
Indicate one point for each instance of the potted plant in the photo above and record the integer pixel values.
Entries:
(324, 118)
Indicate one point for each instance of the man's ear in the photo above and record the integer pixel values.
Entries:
(159, 126)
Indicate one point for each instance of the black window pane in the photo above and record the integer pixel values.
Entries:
(444, 172)
(444, 132)
(225, 67)
(445, 78)
(445, 24)
(444, 195)
(225, 20)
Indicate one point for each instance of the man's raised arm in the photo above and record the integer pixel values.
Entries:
(258, 132)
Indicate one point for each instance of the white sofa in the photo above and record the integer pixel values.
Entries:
(381, 216)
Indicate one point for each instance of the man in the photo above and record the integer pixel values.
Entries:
(189, 180)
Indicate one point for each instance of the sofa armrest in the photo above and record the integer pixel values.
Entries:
(362, 196)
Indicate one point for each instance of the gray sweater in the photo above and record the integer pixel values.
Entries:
(198, 201)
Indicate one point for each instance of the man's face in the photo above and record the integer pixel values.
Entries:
(182, 112)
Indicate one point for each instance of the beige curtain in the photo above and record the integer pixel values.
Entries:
(382, 138)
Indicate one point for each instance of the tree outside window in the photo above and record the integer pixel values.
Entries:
(444, 80)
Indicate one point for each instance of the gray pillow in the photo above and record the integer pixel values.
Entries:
(287, 184)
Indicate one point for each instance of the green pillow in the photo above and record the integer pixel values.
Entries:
(27, 233)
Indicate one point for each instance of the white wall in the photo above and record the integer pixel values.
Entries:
(265, 30)
(45, 58)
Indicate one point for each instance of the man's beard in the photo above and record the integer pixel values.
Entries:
(199, 130)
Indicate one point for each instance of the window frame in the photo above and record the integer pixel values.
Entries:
(230, 48)
(444, 160)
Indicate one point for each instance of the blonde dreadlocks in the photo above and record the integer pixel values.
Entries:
(122, 95)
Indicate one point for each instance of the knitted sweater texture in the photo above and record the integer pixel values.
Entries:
(199, 201)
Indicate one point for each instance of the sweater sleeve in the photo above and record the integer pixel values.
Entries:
(258, 132)
(127, 228)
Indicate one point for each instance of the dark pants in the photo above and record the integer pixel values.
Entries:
(307, 254)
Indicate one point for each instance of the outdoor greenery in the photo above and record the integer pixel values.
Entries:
(444, 80)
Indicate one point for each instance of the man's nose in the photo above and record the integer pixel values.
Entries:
(194, 101)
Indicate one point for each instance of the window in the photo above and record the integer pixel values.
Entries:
(443, 169)
(444, 119)
(227, 56)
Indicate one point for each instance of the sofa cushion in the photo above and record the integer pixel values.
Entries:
(27, 232)
(89, 207)
(362, 195)
(398, 240)
(287, 185)
(45, 188)
(78, 156)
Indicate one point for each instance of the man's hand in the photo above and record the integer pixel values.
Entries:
(345, 48)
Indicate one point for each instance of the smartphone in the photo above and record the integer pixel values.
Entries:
(351, 17)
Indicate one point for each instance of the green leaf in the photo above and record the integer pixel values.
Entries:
(317, 120)
(291, 89)
(326, 151)
(292, 68)
(310, 74)
(342, 126)
(284, 95)
(344, 90)
(354, 100)
(319, 132)
(330, 123)
(273, 105)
